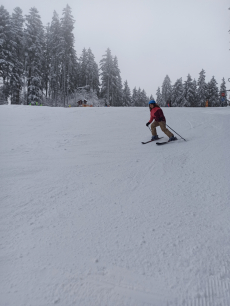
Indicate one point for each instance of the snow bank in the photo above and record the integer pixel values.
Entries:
(90, 216)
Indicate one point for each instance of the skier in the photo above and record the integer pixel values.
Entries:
(157, 114)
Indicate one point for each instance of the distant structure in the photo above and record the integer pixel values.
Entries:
(83, 103)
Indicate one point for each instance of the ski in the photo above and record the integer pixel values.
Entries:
(150, 140)
(162, 143)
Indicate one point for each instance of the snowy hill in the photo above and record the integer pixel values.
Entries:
(90, 216)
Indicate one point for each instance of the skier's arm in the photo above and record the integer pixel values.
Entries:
(151, 118)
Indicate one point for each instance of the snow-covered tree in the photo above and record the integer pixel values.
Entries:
(17, 37)
(144, 98)
(213, 93)
(194, 83)
(34, 46)
(117, 88)
(159, 99)
(223, 99)
(6, 50)
(47, 55)
(83, 73)
(139, 103)
(89, 74)
(134, 97)
(139, 97)
(178, 97)
(69, 58)
(202, 94)
(111, 81)
(190, 91)
(106, 67)
(95, 78)
(166, 90)
(126, 94)
(55, 57)
(93, 72)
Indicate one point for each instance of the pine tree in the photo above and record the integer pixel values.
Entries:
(46, 77)
(138, 97)
(166, 91)
(34, 40)
(6, 50)
(69, 58)
(93, 73)
(16, 80)
(202, 89)
(111, 88)
(159, 99)
(126, 95)
(194, 90)
(89, 67)
(117, 89)
(55, 57)
(95, 78)
(106, 67)
(143, 98)
(213, 93)
(83, 68)
(134, 97)
(223, 99)
(190, 92)
(89, 74)
(178, 98)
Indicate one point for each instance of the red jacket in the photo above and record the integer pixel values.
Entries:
(157, 114)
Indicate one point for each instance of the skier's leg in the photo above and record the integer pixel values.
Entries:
(164, 129)
(153, 128)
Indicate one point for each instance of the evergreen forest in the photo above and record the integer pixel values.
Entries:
(39, 66)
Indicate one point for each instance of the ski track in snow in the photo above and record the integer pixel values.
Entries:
(90, 216)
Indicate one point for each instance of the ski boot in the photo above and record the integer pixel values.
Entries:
(172, 138)
(155, 137)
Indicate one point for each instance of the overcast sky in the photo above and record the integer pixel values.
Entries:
(151, 38)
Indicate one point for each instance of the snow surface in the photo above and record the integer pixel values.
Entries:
(90, 216)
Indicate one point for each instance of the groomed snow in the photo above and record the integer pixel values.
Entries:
(91, 217)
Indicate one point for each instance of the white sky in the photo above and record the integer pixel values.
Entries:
(151, 38)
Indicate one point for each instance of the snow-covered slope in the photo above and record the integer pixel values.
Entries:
(90, 216)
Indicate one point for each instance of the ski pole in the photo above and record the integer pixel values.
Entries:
(175, 132)
(150, 129)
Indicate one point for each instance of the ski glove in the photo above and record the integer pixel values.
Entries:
(148, 123)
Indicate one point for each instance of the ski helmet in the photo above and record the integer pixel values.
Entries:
(152, 102)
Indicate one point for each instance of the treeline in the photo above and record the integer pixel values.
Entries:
(192, 93)
(39, 64)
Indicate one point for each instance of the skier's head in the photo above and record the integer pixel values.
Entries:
(152, 104)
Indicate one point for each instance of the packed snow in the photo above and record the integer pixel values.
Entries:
(90, 216)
